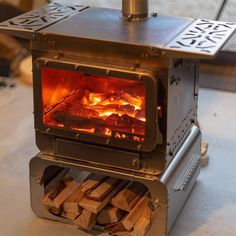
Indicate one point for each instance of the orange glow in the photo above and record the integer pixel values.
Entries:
(94, 104)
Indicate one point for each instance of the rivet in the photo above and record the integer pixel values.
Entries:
(140, 77)
(38, 179)
(48, 130)
(76, 67)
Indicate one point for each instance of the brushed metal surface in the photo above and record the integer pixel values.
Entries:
(105, 24)
(25, 24)
(204, 37)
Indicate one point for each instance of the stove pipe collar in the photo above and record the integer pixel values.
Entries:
(135, 9)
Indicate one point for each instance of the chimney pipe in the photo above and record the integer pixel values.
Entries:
(135, 9)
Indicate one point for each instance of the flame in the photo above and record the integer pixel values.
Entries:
(95, 105)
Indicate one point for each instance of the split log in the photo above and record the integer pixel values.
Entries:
(103, 190)
(67, 180)
(97, 206)
(144, 223)
(128, 197)
(86, 220)
(48, 199)
(71, 208)
(109, 215)
(51, 185)
(117, 229)
(66, 193)
(136, 213)
(92, 182)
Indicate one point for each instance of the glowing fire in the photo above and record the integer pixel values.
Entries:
(95, 105)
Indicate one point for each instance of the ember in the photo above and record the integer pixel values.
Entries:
(94, 104)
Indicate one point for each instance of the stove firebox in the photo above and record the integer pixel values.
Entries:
(117, 95)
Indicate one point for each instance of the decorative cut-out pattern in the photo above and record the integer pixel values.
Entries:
(40, 18)
(203, 37)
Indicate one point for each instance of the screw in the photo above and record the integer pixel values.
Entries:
(77, 136)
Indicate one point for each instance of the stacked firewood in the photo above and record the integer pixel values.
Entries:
(119, 206)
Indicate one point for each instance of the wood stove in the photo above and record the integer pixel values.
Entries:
(117, 94)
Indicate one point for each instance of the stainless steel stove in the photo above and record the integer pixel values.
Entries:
(116, 93)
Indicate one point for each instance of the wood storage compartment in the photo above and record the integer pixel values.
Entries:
(119, 207)
(93, 197)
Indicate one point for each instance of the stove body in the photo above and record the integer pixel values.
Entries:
(118, 97)
(126, 68)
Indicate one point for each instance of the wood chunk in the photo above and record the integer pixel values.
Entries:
(69, 190)
(117, 229)
(136, 213)
(86, 220)
(57, 190)
(103, 189)
(55, 181)
(128, 197)
(109, 215)
(67, 180)
(71, 210)
(204, 148)
(48, 199)
(97, 206)
(60, 199)
(92, 182)
(143, 224)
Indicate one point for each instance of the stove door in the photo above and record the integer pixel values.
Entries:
(95, 104)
